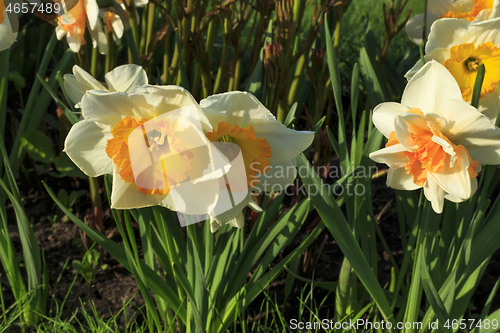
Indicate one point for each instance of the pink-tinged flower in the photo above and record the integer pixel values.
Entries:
(437, 141)
(72, 24)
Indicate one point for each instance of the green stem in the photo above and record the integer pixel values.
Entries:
(232, 83)
(237, 74)
(93, 65)
(133, 21)
(196, 81)
(108, 64)
(166, 49)
(209, 46)
(4, 82)
(186, 30)
(294, 88)
(151, 21)
(144, 30)
(223, 59)
(282, 110)
(174, 66)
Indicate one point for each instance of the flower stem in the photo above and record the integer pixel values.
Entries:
(223, 59)
(4, 82)
(151, 21)
(133, 21)
(93, 64)
(166, 49)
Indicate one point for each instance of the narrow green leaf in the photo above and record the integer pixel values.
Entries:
(334, 219)
(155, 282)
(39, 146)
(67, 112)
(291, 115)
(334, 72)
(431, 292)
(372, 82)
(354, 93)
(478, 84)
(184, 82)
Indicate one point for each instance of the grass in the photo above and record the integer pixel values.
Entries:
(269, 317)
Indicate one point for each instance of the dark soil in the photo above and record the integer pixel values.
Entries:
(62, 243)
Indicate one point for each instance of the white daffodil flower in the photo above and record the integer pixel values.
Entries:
(73, 21)
(152, 141)
(114, 23)
(123, 78)
(470, 10)
(7, 35)
(436, 140)
(462, 47)
(268, 149)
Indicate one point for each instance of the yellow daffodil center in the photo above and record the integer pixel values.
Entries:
(256, 152)
(2, 8)
(479, 6)
(464, 62)
(429, 155)
(74, 21)
(168, 170)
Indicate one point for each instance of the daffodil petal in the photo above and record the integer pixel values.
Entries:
(483, 32)
(125, 78)
(79, 83)
(440, 55)
(455, 180)
(238, 221)
(225, 212)
(398, 179)
(141, 3)
(86, 79)
(434, 193)
(194, 199)
(92, 11)
(405, 124)
(415, 27)
(393, 156)
(8, 37)
(430, 88)
(473, 184)
(474, 131)
(86, 147)
(214, 225)
(108, 109)
(99, 38)
(118, 29)
(489, 105)
(384, 114)
(124, 195)
(170, 98)
(445, 33)
(238, 107)
(285, 143)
